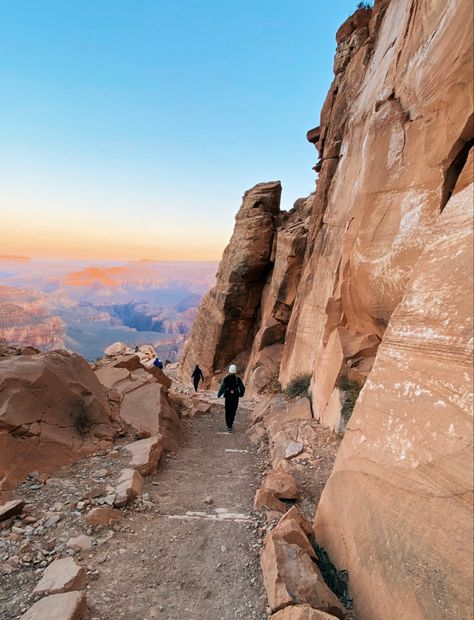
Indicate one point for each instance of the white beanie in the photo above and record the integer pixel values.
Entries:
(233, 369)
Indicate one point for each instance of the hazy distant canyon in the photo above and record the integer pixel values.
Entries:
(85, 306)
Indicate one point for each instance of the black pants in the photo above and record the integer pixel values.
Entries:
(231, 404)
(196, 383)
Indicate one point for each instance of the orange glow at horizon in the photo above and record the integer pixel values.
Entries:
(77, 242)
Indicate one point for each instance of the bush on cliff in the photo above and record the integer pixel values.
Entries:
(298, 386)
(351, 394)
(82, 420)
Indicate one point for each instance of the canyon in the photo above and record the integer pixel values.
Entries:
(84, 308)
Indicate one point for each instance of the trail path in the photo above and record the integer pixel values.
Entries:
(185, 559)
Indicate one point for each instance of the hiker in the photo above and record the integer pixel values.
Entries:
(196, 377)
(231, 388)
(158, 363)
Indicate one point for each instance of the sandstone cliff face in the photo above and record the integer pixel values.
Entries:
(53, 410)
(396, 121)
(243, 318)
(382, 299)
(407, 452)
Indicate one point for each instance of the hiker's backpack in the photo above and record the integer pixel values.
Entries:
(238, 387)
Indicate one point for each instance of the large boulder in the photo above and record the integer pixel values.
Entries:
(150, 413)
(53, 410)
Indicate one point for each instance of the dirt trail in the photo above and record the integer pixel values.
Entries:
(176, 565)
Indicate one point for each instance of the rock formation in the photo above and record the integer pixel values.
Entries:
(53, 410)
(376, 296)
(25, 319)
(244, 317)
(408, 447)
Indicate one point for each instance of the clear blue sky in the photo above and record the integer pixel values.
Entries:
(136, 126)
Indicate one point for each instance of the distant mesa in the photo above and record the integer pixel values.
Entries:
(105, 276)
(14, 258)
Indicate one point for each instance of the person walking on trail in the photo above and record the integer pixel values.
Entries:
(232, 389)
(196, 377)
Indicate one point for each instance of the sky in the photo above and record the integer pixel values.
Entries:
(131, 128)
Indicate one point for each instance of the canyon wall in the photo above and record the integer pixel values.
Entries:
(25, 319)
(371, 286)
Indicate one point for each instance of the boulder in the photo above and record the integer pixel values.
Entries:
(111, 377)
(149, 412)
(281, 484)
(53, 410)
(290, 576)
(69, 606)
(130, 362)
(291, 532)
(130, 486)
(159, 375)
(117, 348)
(295, 515)
(146, 454)
(103, 515)
(62, 575)
(266, 499)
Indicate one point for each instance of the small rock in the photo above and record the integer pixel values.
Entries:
(100, 473)
(62, 576)
(129, 487)
(80, 543)
(293, 449)
(13, 507)
(102, 516)
(51, 521)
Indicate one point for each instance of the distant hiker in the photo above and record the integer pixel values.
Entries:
(158, 363)
(232, 389)
(196, 377)
(136, 349)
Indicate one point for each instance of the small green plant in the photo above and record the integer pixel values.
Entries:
(298, 386)
(335, 579)
(351, 394)
(82, 420)
(365, 5)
